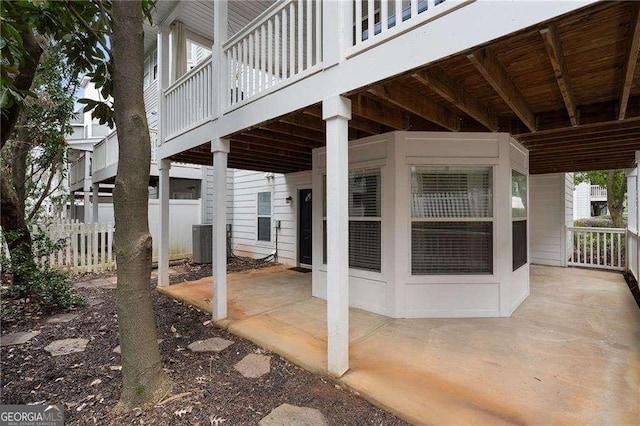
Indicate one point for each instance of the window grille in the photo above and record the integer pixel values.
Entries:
(519, 219)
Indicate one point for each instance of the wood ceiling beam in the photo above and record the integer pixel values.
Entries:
(492, 70)
(305, 121)
(451, 90)
(294, 131)
(270, 159)
(417, 104)
(239, 145)
(581, 140)
(280, 137)
(633, 46)
(556, 57)
(268, 144)
(371, 110)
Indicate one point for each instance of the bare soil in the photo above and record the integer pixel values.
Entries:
(207, 389)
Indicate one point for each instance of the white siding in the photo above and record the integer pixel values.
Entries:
(207, 195)
(246, 185)
(582, 201)
(551, 207)
(151, 104)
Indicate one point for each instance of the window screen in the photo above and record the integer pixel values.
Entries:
(264, 216)
(519, 219)
(452, 220)
(365, 221)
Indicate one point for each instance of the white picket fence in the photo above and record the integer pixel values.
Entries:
(86, 247)
(602, 248)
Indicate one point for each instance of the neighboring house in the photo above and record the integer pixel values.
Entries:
(589, 201)
(393, 144)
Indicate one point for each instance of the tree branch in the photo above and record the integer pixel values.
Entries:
(45, 193)
(87, 26)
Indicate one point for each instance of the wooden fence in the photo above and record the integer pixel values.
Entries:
(84, 247)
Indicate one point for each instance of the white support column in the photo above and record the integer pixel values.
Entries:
(638, 210)
(220, 150)
(336, 111)
(163, 246)
(163, 80)
(95, 202)
(219, 76)
(86, 188)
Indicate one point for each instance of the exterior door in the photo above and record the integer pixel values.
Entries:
(304, 228)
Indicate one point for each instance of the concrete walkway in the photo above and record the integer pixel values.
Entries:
(569, 354)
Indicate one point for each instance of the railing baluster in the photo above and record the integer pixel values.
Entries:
(591, 247)
(358, 19)
(292, 40)
(605, 250)
(384, 15)
(250, 68)
(244, 72)
(309, 11)
(269, 73)
(318, 32)
(300, 25)
(276, 46)
(263, 58)
(371, 19)
(285, 44)
(619, 251)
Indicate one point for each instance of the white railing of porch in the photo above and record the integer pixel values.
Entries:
(281, 46)
(77, 171)
(598, 191)
(376, 21)
(189, 101)
(105, 153)
(602, 248)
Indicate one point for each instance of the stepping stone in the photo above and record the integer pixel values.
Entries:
(56, 319)
(97, 283)
(117, 349)
(215, 344)
(290, 415)
(19, 338)
(66, 346)
(254, 365)
(94, 301)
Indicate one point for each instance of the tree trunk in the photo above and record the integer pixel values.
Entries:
(22, 82)
(616, 190)
(143, 380)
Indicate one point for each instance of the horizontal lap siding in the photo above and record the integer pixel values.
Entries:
(247, 184)
(547, 194)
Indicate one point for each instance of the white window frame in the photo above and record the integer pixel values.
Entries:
(359, 168)
(270, 216)
(523, 218)
(492, 219)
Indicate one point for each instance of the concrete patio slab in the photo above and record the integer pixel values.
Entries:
(569, 354)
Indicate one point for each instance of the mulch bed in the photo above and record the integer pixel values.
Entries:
(212, 392)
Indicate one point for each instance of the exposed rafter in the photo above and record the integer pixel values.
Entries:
(365, 107)
(556, 56)
(492, 70)
(413, 102)
(633, 46)
(367, 126)
(438, 81)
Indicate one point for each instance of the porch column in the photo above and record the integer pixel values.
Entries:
(95, 201)
(220, 150)
(163, 245)
(86, 188)
(336, 111)
(637, 210)
(218, 76)
(163, 80)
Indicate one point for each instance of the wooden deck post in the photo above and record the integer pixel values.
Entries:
(163, 246)
(336, 111)
(95, 201)
(220, 150)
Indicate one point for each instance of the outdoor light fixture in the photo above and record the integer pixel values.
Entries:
(289, 199)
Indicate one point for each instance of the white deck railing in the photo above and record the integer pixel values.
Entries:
(282, 45)
(189, 101)
(377, 21)
(77, 171)
(602, 248)
(105, 153)
(598, 191)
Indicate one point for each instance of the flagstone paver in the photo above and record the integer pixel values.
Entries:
(291, 415)
(254, 365)
(215, 344)
(19, 338)
(66, 346)
(96, 283)
(59, 318)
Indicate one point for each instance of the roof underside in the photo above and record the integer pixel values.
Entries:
(556, 87)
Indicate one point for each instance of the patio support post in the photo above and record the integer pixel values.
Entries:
(163, 246)
(336, 111)
(220, 150)
(219, 77)
(163, 80)
(637, 209)
(95, 201)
